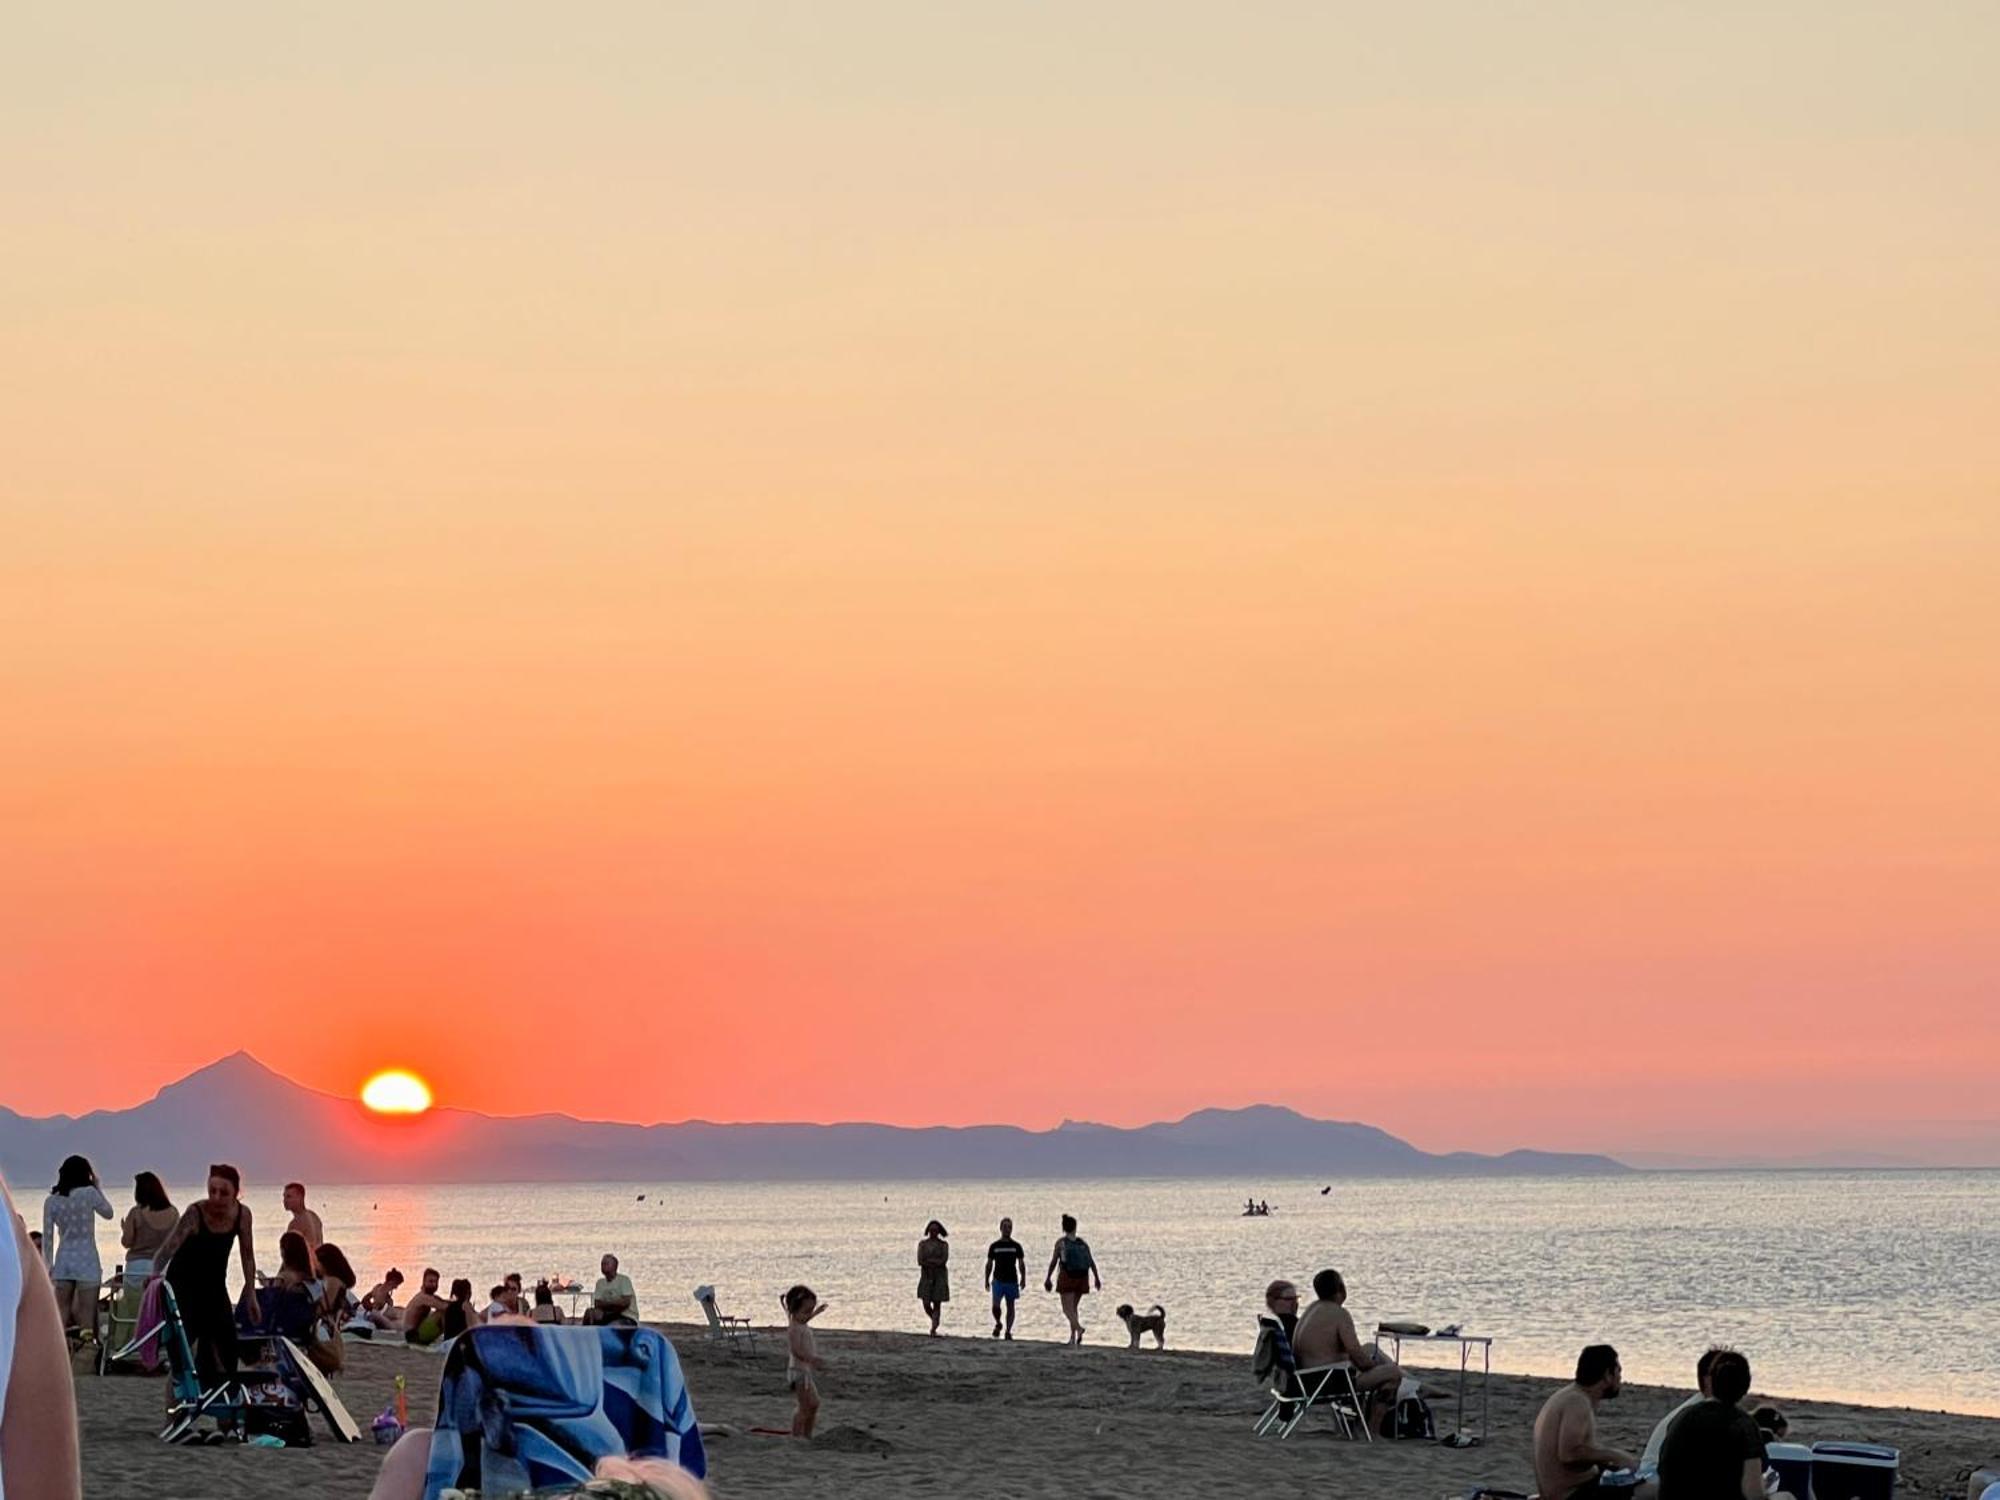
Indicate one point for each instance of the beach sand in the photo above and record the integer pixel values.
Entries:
(912, 1416)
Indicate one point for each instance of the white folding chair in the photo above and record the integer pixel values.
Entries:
(1295, 1392)
(721, 1325)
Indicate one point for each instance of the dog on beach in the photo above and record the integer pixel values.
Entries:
(1154, 1322)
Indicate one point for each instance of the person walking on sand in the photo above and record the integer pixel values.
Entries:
(802, 1361)
(933, 1280)
(1005, 1261)
(1071, 1270)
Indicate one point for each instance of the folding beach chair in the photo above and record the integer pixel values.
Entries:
(118, 1323)
(288, 1379)
(522, 1406)
(1295, 1392)
(736, 1332)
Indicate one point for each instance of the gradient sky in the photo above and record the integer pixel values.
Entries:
(938, 564)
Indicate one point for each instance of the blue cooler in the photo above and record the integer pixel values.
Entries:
(1794, 1463)
(1853, 1471)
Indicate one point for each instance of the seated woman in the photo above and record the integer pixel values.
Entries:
(286, 1303)
(332, 1292)
(545, 1309)
(459, 1313)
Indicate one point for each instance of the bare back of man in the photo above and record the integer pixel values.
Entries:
(1565, 1429)
(1326, 1335)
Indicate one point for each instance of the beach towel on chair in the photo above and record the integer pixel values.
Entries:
(522, 1406)
(152, 1313)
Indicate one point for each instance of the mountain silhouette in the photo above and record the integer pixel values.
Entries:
(237, 1110)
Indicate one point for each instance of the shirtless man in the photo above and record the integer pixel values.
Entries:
(379, 1306)
(1569, 1461)
(305, 1223)
(1325, 1335)
(423, 1302)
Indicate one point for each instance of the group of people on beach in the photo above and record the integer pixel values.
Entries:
(312, 1295)
(1071, 1275)
(1707, 1448)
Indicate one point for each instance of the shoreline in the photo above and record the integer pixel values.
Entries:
(909, 1415)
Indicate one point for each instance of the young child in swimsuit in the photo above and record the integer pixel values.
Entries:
(804, 1364)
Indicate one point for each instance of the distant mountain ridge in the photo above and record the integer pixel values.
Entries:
(238, 1110)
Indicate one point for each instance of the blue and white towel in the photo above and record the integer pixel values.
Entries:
(524, 1406)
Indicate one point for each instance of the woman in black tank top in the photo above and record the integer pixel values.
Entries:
(195, 1262)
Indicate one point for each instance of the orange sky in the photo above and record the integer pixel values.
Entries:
(937, 568)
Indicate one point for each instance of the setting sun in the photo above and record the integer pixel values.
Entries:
(396, 1092)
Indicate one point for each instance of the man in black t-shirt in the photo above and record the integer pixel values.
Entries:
(1003, 1275)
(1714, 1450)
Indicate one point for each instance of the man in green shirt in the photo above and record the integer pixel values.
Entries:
(613, 1300)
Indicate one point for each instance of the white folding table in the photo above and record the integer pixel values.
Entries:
(1465, 1341)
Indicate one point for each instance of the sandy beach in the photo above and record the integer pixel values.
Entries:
(907, 1416)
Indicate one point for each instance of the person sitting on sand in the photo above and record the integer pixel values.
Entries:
(1326, 1335)
(379, 1305)
(1772, 1423)
(1649, 1461)
(1071, 1268)
(496, 1303)
(545, 1309)
(295, 1267)
(1282, 1298)
(1006, 1259)
(1715, 1449)
(38, 1436)
(423, 1319)
(802, 1360)
(933, 1273)
(613, 1300)
(1569, 1461)
(459, 1313)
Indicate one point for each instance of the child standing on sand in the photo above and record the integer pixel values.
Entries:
(804, 1363)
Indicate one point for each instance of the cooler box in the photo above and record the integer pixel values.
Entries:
(1853, 1471)
(1794, 1463)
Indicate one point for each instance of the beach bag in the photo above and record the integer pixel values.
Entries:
(1075, 1255)
(286, 1423)
(323, 1347)
(1411, 1420)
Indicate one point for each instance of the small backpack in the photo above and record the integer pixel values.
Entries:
(1412, 1420)
(1076, 1255)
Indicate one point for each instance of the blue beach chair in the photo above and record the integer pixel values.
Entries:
(528, 1406)
(225, 1403)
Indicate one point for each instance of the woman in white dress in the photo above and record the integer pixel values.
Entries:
(69, 1241)
(37, 1402)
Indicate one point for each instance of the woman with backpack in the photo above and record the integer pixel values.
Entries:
(1072, 1268)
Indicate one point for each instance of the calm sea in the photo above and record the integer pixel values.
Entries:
(1873, 1286)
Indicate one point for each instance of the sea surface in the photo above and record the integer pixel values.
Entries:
(1869, 1286)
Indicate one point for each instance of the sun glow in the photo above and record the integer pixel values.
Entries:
(396, 1092)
